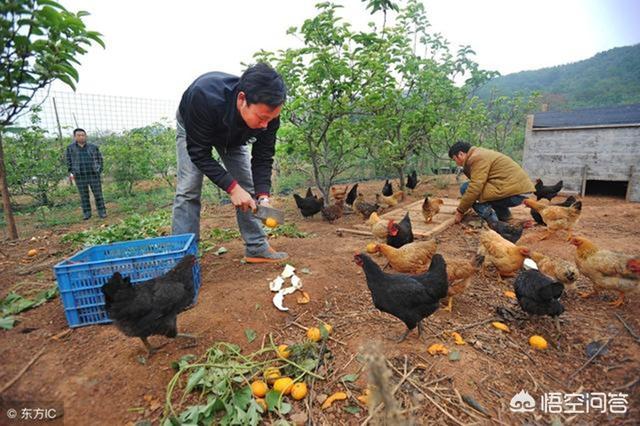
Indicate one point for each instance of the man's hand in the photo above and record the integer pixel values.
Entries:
(242, 199)
(459, 216)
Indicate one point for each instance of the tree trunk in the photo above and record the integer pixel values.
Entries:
(6, 198)
(401, 174)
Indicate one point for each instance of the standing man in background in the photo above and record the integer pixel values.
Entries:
(239, 117)
(84, 163)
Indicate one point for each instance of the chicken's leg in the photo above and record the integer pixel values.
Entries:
(587, 294)
(404, 336)
(150, 349)
(193, 340)
(619, 301)
(449, 306)
(419, 329)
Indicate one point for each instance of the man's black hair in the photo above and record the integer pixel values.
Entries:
(459, 146)
(263, 85)
(78, 130)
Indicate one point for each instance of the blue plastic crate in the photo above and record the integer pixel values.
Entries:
(81, 277)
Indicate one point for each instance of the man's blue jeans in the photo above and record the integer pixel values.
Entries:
(491, 211)
(186, 205)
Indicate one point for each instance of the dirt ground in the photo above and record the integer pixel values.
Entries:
(95, 373)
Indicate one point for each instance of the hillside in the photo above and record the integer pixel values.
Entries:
(608, 78)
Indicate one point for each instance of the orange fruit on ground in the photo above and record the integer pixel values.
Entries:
(271, 222)
(283, 351)
(314, 334)
(299, 391)
(372, 248)
(538, 342)
(259, 388)
(283, 385)
(271, 374)
(501, 326)
(32, 252)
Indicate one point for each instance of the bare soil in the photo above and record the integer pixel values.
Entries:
(95, 370)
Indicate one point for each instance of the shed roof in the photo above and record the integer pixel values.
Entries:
(625, 114)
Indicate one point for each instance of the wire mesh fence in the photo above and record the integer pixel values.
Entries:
(61, 112)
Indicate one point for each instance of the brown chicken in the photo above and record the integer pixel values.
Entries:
(390, 201)
(379, 226)
(339, 194)
(460, 272)
(430, 208)
(556, 217)
(504, 255)
(564, 271)
(333, 212)
(412, 258)
(607, 269)
(363, 208)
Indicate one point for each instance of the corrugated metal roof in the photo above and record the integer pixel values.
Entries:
(626, 114)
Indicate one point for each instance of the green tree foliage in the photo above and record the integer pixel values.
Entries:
(503, 128)
(326, 79)
(41, 42)
(140, 154)
(35, 164)
(417, 92)
(607, 79)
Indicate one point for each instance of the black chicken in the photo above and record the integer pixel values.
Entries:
(547, 192)
(412, 180)
(566, 203)
(400, 233)
(309, 205)
(538, 294)
(310, 194)
(403, 296)
(508, 231)
(387, 189)
(151, 307)
(351, 196)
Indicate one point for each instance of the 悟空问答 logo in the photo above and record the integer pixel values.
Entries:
(522, 402)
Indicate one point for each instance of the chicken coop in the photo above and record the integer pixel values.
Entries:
(593, 151)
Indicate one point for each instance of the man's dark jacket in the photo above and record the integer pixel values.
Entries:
(73, 158)
(211, 119)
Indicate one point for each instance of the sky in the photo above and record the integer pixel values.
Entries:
(154, 49)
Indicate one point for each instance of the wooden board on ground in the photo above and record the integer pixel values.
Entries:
(441, 221)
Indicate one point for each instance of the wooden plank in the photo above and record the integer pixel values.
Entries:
(339, 231)
(438, 229)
